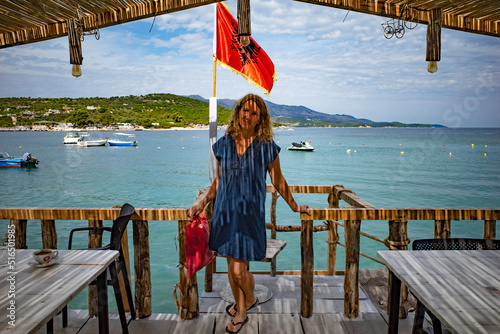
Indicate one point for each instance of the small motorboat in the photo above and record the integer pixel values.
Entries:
(122, 139)
(302, 146)
(86, 141)
(72, 137)
(26, 161)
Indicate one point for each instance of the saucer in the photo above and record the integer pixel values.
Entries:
(44, 265)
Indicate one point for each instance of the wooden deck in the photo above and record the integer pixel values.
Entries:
(278, 315)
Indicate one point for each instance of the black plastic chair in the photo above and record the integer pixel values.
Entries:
(445, 244)
(117, 230)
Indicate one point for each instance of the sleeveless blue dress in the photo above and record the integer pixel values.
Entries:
(238, 222)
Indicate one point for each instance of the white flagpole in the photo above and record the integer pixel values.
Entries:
(212, 119)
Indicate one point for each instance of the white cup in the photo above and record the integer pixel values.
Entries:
(43, 256)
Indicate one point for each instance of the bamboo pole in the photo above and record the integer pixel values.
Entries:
(307, 270)
(351, 279)
(442, 228)
(49, 234)
(333, 237)
(490, 227)
(142, 269)
(398, 238)
(20, 232)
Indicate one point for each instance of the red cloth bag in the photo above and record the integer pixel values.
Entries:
(197, 253)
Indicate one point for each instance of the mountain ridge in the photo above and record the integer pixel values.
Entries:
(291, 114)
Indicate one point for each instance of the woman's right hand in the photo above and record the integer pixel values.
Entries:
(194, 210)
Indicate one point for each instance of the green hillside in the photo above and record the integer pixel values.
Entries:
(167, 110)
(300, 122)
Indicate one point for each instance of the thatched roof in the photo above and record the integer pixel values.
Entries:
(36, 20)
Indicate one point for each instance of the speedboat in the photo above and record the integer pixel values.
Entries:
(86, 141)
(72, 137)
(26, 161)
(122, 139)
(302, 146)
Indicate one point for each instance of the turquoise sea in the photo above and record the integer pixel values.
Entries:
(388, 167)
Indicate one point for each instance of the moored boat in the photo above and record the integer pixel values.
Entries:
(302, 146)
(72, 137)
(27, 160)
(86, 141)
(122, 139)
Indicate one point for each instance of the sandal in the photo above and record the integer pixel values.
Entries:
(234, 308)
(242, 323)
(253, 305)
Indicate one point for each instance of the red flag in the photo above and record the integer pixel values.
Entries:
(250, 61)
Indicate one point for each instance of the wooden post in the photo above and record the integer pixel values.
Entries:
(95, 240)
(189, 308)
(333, 236)
(433, 52)
(307, 269)
(20, 233)
(49, 234)
(398, 238)
(142, 269)
(351, 279)
(274, 200)
(490, 229)
(442, 229)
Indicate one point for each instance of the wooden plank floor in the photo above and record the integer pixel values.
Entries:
(278, 315)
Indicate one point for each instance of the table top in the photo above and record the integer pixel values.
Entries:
(460, 287)
(32, 296)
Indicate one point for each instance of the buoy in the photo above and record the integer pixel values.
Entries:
(472, 145)
(330, 143)
(450, 154)
(354, 151)
(402, 152)
(399, 144)
(59, 146)
(309, 143)
(339, 143)
(20, 147)
(363, 143)
(485, 154)
(485, 145)
(159, 147)
(182, 139)
(444, 145)
(348, 151)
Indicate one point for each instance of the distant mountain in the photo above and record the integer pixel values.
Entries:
(303, 116)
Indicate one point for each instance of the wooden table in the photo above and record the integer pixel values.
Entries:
(460, 287)
(33, 296)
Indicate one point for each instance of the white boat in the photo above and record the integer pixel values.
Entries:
(302, 146)
(86, 141)
(122, 139)
(72, 137)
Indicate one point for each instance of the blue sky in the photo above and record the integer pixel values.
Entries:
(322, 61)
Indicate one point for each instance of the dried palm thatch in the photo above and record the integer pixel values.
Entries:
(35, 20)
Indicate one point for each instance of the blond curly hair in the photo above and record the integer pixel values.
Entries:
(264, 129)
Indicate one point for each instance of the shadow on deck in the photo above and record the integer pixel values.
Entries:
(278, 315)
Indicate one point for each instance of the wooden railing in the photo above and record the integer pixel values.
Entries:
(188, 302)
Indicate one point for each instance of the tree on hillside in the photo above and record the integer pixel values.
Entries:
(79, 117)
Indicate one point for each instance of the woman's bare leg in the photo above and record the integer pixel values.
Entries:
(242, 284)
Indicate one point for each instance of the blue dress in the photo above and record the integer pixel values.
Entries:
(238, 222)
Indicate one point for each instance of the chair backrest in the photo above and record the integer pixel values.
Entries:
(456, 244)
(119, 226)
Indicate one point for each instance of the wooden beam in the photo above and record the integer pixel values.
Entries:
(107, 18)
(452, 19)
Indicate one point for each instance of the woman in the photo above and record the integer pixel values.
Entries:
(245, 154)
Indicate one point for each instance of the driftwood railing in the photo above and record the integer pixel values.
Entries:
(188, 302)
